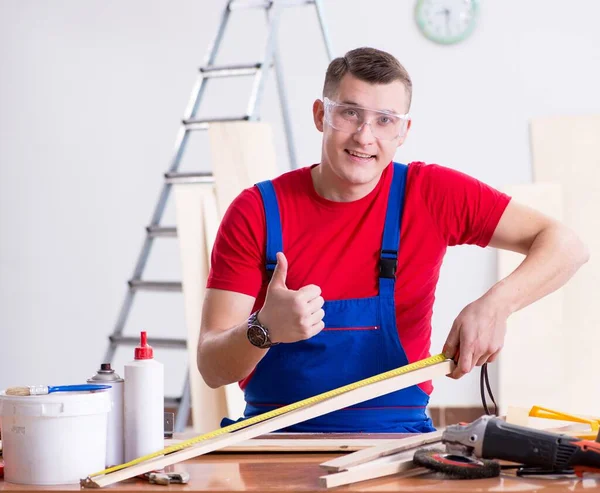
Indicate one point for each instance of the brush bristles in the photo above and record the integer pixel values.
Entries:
(21, 391)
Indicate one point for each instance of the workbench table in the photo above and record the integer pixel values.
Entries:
(270, 472)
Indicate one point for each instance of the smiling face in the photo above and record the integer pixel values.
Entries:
(352, 163)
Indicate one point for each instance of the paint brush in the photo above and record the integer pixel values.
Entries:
(46, 389)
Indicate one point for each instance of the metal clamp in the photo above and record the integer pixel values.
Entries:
(167, 478)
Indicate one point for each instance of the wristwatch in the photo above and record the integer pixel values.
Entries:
(258, 334)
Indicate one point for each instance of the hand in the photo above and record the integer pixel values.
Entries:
(477, 335)
(290, 315)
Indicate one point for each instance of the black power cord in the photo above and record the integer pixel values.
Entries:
(484, 383)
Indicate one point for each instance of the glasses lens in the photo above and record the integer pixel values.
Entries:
(350, 119)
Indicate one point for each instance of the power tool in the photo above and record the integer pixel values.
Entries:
(470, 446)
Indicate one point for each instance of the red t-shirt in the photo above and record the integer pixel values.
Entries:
(336, 245)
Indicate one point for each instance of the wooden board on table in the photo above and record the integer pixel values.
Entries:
(401, 463)
(530, 369)
(306, 442)
(382, 450)
(566, 150)
(294, 445)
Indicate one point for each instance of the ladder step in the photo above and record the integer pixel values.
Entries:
(156, 342)
(202, 123)
(263, 4)
(155, 231)
(189, 177)
(140, 285)
(231, 70)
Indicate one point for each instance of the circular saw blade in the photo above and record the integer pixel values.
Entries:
(456, 466)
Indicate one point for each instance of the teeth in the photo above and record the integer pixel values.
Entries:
(358, 154)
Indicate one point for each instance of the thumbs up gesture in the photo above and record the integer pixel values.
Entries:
(291, 315)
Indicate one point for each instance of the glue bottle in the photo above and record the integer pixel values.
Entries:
(144, 403)
(115, 443)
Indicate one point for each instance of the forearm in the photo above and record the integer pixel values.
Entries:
(554, 256)
(227, 356)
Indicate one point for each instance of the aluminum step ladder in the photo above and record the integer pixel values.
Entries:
(190, 123)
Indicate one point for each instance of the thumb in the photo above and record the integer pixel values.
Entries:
(451, 346)
(280, 272)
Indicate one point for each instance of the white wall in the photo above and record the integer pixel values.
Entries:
(91, 94)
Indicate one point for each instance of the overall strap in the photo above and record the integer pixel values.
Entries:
(390, 243)
(273, 223)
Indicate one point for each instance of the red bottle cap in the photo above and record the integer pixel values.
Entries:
(143, 351)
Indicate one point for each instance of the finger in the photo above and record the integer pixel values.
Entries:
(318, 327)
(452, 341)
(280, 272)
(316, 317)
(465, 362)
(493, 357)
(315, 304)
(309, 292)
(483, 359)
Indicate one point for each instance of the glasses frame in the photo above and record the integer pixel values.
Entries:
(329, 104)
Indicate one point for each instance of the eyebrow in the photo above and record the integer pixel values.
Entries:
(353, 103)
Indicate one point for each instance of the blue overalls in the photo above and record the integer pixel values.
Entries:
(359, 340)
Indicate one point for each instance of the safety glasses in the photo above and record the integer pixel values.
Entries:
(350, 119)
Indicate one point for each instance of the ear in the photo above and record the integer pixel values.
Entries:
(403, 138)
(318, 114)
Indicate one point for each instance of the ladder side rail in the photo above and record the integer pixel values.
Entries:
(273, 12)
(324, 30)
(283, 101)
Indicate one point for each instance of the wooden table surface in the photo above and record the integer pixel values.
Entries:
(270, 472)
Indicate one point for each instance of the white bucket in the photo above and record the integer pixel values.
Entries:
(57, 438)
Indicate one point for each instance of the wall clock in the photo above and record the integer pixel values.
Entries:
(446, 21)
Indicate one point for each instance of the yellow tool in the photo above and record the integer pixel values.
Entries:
(278, 412)
(542, 412)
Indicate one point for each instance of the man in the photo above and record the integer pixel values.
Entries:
(327, 274)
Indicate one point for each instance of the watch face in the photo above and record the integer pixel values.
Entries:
(446, 21)
(257, 335)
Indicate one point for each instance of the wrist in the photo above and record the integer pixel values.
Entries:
(257, 333)
(503, 298)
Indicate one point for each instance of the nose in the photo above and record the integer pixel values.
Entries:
(364, 134)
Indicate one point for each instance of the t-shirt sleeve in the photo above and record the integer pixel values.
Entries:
(237, 258)
(464, 209)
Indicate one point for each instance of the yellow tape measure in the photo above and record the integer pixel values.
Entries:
(439, 358)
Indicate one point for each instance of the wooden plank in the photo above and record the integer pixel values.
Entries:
(566, 150)
(287, 442)
(300, 445)
(191, 203)
(341, 401)
(234, 396)
(241, 154)
(384, 466)
(370, 454)
(530, 368)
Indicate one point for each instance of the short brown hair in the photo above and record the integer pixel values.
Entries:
(369, 65)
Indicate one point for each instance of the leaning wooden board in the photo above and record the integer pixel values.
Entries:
(566, 150)
(241, 154)
(196, 210)
(531, 369)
